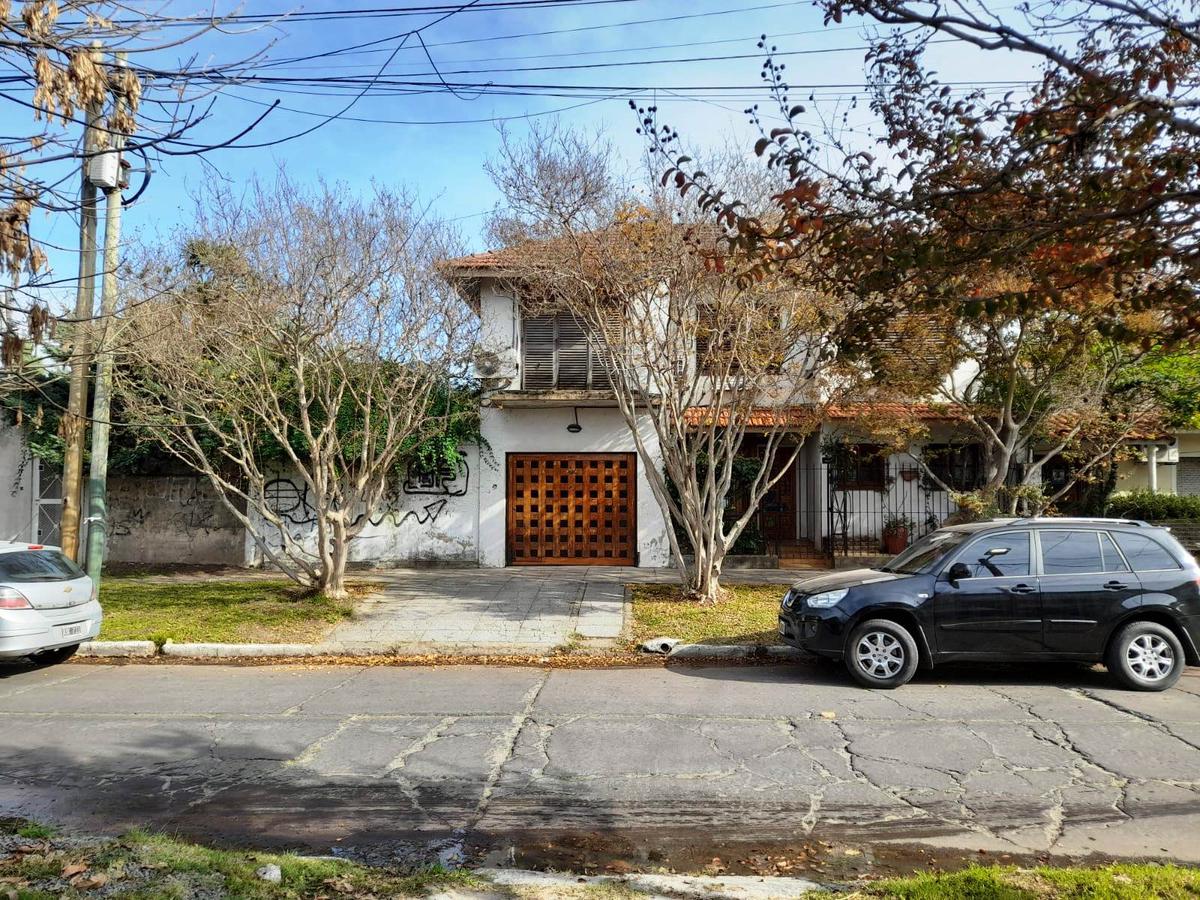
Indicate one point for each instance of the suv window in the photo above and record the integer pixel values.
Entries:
(26, 566)
(1144, 553)
(926, 552)
(984, 563)
(1071, 553)
(1112, 559)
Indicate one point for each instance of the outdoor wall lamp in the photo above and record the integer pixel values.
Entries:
(575, 427)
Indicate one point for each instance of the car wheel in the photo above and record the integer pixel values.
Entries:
(1145, 656)
(55, 656)
(881, 654)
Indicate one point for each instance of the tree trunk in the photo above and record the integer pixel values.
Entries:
(704, 579)
(333, 569)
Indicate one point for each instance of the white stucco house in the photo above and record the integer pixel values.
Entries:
(561, 482)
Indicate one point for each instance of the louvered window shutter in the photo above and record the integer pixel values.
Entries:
(573, 355)
(556, 355)
(537, 339)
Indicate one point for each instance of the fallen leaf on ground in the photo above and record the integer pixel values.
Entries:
(88, 882)
(72, 869)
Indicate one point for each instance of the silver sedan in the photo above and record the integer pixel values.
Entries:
(48, 606)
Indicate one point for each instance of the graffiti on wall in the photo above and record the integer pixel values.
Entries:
(190, 509)
(290, 501)
(171, 519)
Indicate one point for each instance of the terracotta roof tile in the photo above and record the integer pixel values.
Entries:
(805, 416)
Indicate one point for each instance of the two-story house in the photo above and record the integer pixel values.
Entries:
(564, 484)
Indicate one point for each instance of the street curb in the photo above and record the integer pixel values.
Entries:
(118, 648)
(737, 651)
(208, 650)
(700, 887)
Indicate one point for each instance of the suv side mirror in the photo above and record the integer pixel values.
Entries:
(958, 572)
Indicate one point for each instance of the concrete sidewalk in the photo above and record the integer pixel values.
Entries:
(531, 609)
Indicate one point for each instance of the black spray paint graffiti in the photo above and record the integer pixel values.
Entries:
(289, 500)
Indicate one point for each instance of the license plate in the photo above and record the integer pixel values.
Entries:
(72, 630)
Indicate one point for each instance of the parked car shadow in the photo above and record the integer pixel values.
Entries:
(831, 672)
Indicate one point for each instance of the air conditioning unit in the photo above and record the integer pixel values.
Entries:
(497, 365)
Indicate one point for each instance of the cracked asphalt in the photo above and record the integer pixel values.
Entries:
(1022, 760)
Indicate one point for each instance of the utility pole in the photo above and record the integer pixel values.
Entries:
(74, 422)
(102, 402)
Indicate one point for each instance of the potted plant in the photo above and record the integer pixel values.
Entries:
(896, 529)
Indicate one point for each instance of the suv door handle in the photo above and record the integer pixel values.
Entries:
(1021, 589)
(1115, 586)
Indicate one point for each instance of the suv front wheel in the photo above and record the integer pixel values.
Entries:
(881, 654)
(1145, 656)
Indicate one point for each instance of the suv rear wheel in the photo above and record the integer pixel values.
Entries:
(1145, 656)
(881, 654)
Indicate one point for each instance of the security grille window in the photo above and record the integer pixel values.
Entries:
(556, 355)
(958, 466)
(859, 467)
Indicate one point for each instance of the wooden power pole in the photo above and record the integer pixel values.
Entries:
(75, 421)
(102, 402)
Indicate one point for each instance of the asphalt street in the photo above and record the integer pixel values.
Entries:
(1034, 760)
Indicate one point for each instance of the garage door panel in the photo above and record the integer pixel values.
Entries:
(571, 509)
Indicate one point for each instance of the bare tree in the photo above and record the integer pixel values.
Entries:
(705, 360)
(80, 105)
(298, 334)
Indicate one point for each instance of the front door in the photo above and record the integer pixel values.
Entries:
(778, 508)
(572, 509)
(995, 609)
(1086, 584)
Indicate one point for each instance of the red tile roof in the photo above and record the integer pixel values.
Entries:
(806, 416)
(489, 259)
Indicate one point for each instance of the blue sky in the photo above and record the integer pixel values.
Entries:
(443, 163)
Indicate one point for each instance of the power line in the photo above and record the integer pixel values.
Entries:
(332, 15)
(357, 48)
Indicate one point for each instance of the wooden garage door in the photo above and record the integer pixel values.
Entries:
(572, 509)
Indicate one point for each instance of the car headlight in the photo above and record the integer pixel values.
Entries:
(826, 599)
(789, 599)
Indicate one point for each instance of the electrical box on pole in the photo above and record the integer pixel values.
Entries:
(104, 170)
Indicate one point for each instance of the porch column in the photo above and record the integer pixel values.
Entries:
(1152, 467)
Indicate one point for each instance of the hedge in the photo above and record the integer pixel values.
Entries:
(1152, 506)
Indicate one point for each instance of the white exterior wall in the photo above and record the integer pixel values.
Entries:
(499, 328)
(1175, 469)
(544, 430)
(18, 505)
(898, 498)
(417, 524)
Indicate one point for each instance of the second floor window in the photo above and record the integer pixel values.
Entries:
(555, 355)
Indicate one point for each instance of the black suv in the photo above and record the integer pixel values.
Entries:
(1116, 591)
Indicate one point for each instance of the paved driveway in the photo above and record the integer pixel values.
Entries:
(1030, 759)
(515, 609)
